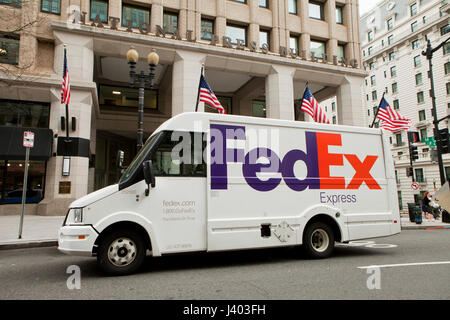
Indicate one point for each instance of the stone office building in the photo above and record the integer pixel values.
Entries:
(257, 55)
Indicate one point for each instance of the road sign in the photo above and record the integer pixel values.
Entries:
(28, 139)
(430, 141)
(415, 186)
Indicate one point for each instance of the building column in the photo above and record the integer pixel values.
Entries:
(183, 18)
(349, 101)
(115, 9)
(280, 93)
(80, 59)
(156, 15)
(275, 41)
(221, 20)
(185, 80)
(253, 28)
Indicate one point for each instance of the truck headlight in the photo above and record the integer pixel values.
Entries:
(74, 216)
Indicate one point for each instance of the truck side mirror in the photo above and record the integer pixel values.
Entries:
(149, 175)
(119, 159)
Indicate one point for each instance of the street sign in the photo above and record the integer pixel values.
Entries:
(430, 141)
(28, 139)
(415, 186)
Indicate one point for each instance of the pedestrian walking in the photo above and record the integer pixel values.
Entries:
(426, 208)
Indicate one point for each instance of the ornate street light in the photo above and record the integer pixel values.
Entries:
(142, 79)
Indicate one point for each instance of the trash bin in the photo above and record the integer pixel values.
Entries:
(418, 214)
(445, 216)
(411, 211)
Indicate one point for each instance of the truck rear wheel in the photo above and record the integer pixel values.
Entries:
(121, 252)
(318, 240)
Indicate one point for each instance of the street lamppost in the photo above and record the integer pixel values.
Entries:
(429, 54)
(142, 79)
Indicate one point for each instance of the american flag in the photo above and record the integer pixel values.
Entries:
(208, 96)
(391, 120)
(65, 90)
(311, 107)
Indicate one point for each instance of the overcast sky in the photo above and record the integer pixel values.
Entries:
(366, 5)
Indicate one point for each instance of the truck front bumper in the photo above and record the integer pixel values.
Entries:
(77, 240)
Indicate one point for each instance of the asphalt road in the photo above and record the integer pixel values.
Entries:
(256, 274)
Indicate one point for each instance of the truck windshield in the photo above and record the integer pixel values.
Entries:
(139, 159)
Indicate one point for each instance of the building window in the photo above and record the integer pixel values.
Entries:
(374, 95)
(134, 15)
(424, 19)
(99, 8)
(318, 48)
(116, 98)
(207, 29)
(446, 48)
(420, 97)
(12, 3)
(259, 108)
(369, 51)
(419, 175)
(370, 36)
(422, 115)
(333, 106)
(445, 29)
(417, 61)
(396, 104)
(423, 134)
(414, 26)
(334, 119)
(170, 22)
(413, 9)
(419, 79)
(264, 3)
(391, 55)
(390, 24)
(385, 74)
(400, 201)
(224, 101)
(341, 52)
(372, 80)
(51, 6)
(398, 140)
(293, 43)
(447, 173)
(393, 72)
(339, 15)
(447, 68)
(264, 38)
(292, 6)
(24, 114)
(394, 87)
(372, 65)
(241, 1)
(9, 49)
(11, 181)
(235, 33)
(316, 10)
(448, 88)
(391, 39)
(415, 44)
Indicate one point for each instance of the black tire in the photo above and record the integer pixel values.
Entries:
(318, 240)
(121, 252)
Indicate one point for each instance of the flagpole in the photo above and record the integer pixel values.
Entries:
(378, 109)
(198, 93)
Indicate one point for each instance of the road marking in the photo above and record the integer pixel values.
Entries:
(405, 264)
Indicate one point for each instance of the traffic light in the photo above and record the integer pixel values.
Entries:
(413, 153)
(444, 140)
(409, 172)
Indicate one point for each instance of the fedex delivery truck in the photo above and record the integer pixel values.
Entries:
(209, 182)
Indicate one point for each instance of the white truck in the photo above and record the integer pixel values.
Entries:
(209, 182)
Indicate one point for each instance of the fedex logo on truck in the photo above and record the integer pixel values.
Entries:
(316, 158)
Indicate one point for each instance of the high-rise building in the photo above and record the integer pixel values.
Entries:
(393, 36)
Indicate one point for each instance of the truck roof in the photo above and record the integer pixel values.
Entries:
(199, 122)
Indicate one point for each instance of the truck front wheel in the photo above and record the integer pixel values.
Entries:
(318, 240)
(121, 252)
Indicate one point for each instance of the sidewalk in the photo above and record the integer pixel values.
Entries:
(40, 231)
(37, 231)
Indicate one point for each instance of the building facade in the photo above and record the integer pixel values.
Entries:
(257, 55)
(393, 36)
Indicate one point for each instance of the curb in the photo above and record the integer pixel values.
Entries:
(422, 227)
(29, 244)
